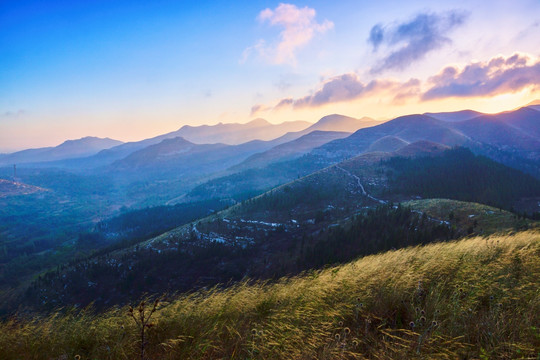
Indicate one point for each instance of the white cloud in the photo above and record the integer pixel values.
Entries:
(298, 27)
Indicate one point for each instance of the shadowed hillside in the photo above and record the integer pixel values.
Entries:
(330, 216)
(290, 150)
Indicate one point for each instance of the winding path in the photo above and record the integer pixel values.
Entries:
(386, 202)
(364, 192)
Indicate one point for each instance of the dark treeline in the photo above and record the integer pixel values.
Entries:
(289, 196)
(380, 229)
(137, 225)
(459, 174)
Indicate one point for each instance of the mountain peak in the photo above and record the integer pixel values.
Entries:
(333, 118)
(533, 105)
(91, 139)
(455, 116)
(259, 122)
(422, 148)
(175, 140)
(82, 147)
(236, 133)
(337, 122)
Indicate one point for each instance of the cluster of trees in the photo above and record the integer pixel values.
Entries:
(105, 281)
(459, 174)
(134, 226)
(290, 196)
(383, 228)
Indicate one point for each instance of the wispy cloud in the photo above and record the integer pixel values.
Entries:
(298, 27)
(529, 31)
(348, 87)
(12, 114)
(284, 82)
(497, 76)
(259, 108)
(410, 41)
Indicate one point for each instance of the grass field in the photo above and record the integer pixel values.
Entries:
(474, 298)
(482, 219)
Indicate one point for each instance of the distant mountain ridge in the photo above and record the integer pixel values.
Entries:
(291, 149)
(85, 146)
(258, 133)
(517, 131)
(204, 134)
(234, 133)
(534, 105)
(455, 115)
(180, 157)
(508, 138)
(409, 128)
(336, 122)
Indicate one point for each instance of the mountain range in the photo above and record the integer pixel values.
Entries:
(508, 137)
(455, 115)
(255, 136)
(63, 201)
(234, 134)
(511, 137)
(69, 149)
(515, 132)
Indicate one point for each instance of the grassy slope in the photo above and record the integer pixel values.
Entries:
(482, 219)
(481, 292)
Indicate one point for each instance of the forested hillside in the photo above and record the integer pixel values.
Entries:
(459, 174)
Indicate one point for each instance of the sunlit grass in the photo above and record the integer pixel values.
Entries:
(473, 298)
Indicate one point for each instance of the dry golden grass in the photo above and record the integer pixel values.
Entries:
(474, 298)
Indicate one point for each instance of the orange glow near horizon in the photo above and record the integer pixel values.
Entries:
(144, 126)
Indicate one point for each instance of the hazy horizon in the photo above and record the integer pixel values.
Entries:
(130, 71)
(8, 150)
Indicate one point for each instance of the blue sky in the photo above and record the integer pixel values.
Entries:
(130, 70)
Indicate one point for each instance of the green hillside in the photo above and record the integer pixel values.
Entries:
(471, 217)
(474, 298)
